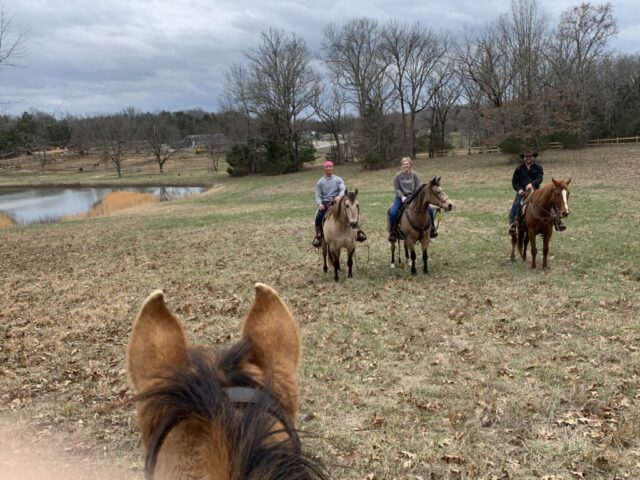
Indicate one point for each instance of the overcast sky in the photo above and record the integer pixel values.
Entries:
(100, 56)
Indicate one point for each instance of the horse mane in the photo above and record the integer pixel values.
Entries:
(417, 193)
(197, 393)
(338, 207)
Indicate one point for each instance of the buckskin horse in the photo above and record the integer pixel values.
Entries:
(339, 231)
(226, 415)
(542, 210)
(414, 224)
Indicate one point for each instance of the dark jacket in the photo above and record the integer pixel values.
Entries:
(522, 176)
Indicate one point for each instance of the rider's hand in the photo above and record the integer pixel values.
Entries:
(321, 207)
(404, 199)
(529, 187)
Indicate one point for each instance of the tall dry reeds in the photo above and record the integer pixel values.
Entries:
(114, 201)
(6, 221)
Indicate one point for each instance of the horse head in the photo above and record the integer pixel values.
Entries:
(352, 208)
(561, 195)
(438, 197)
(219, 415)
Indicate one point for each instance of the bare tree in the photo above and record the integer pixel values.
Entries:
(281, 87)
(161, 133)
(581, 41)
(237, 95)
(354, 54)
(11, 43)
(113, 135)
(446, 95)
(414, 53)
(329, 105)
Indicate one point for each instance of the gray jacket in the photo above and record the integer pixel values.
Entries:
(404, 184)
(329, 188)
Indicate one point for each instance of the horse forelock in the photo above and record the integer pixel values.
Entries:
(197, 393)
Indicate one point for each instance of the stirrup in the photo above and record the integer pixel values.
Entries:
(360, 236)
(512, 229)
(433, 233)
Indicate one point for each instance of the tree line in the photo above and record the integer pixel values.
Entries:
(385, 90)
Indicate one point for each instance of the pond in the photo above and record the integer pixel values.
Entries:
(32, 205)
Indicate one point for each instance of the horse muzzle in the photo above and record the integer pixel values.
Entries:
(449, 206)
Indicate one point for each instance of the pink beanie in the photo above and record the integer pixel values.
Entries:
(328, 163)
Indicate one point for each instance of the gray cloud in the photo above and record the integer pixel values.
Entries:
(87, 57)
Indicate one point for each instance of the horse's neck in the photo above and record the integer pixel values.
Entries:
(542, 197)
(338, 210)
(421, 202)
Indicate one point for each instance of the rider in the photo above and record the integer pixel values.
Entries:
(329, 188)
(405, 183)
(526, 177)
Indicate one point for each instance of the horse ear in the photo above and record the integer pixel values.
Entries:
(569, 181)
(433, 180)
(157, 343)
(439, 178)
(346, 190)
(555, 182)
(356, 192)
(275, 340)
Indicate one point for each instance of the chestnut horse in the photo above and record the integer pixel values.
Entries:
(222, 415)
(541, 213)
(414, 224)
(340, 230)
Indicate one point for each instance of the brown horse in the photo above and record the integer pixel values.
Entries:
(541, 213)
(339, 231)
(224, 415)
(414, 224)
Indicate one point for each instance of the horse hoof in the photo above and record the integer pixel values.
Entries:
(393, 265)
(413, 273)
(325, 269)
(335, 280)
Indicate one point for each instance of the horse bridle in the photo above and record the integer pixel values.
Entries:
(239, 396)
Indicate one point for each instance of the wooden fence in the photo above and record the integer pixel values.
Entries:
(598, 142)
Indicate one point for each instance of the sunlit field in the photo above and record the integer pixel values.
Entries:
(483, 369)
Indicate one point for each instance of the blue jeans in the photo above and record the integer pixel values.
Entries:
(395, 208)
(320, 214)
(515, 208)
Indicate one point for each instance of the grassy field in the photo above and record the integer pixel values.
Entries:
(484, 369)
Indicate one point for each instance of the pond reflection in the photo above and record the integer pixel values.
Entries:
(31, 205)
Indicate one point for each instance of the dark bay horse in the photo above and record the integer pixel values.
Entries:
(340, 230)
(542, 210)
(225, 415)
(414, 224)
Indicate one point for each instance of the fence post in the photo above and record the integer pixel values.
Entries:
(617, 140)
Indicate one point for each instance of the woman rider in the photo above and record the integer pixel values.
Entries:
(405, 183)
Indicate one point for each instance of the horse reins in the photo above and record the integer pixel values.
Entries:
(239, 396)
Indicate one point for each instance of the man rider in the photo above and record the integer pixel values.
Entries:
(329, 188)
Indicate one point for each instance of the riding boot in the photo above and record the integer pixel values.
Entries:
(512, 226)
(360, 236)
(434, 232)
(392, 232)
(317, 241)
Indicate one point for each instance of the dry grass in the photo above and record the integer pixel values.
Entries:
(116, 201)
(484, 369)
(6, 221)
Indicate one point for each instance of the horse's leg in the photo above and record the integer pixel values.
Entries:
(514, 241)
(545, 245)
(413, 261)
(393, 255)
(335, 257)
(324, 256)
(350, 261)
(425, 257)
(534, 250)
(406, 251)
